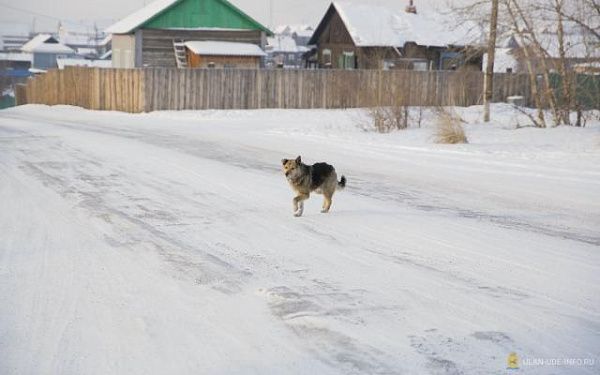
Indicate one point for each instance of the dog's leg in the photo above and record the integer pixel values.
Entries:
(299, 204)
(326, 203)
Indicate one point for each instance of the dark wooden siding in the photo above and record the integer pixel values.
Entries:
(336, 38)
(157, 44)
(332, 35)
(220, 62)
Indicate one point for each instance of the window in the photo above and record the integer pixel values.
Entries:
(348, 60)
(420, 65)
(326, 58)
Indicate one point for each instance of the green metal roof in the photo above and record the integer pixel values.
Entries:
(188, 14)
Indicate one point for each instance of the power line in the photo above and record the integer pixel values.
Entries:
(41, 14)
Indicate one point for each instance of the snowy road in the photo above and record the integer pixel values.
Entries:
(165, 243)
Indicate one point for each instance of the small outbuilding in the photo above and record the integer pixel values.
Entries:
(211, 54)
(45, 50)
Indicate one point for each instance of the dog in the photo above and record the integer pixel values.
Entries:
(320, 178)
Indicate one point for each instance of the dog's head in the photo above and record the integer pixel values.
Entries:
(289, 165)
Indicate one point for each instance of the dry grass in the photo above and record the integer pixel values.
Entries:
(449, 128)
(387, 119)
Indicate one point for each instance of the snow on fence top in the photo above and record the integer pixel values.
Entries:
(83, 62)
(214, 48)
(380, 26)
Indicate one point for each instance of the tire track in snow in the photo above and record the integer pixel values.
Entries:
(371, 186)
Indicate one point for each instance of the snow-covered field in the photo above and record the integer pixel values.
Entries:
(164, 243)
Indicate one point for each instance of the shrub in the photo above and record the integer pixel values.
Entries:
(449, 129)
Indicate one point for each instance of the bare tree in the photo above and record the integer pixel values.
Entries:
(541, 120)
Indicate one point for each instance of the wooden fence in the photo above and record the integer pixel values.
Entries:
(145, 90)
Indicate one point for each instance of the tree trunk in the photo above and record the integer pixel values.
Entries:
(566, 78)
(488, 82)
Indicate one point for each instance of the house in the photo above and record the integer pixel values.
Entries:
(368, 36)
(45, 50)
(211, 54)
(283, 51)
(300, 33)
(581, 51)
(88, 42)
(13, 36)
(16, 61)
(14, 67)
(155, 35)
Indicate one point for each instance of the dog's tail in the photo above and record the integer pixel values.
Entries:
(342, 183)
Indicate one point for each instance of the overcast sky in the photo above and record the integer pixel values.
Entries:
(47, 13)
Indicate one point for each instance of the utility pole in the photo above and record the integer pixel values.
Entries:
(488, 81)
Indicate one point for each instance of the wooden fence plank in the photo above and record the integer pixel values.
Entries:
(138, 90)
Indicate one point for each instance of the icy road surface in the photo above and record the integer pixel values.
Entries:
(165, 244)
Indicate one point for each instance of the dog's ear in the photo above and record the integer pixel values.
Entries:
(283, 161)
(298, 159)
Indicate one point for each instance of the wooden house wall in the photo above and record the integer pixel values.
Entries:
(335, 37)
(221, 62)
(157, 44)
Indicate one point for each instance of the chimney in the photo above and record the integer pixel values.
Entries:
(411, 8)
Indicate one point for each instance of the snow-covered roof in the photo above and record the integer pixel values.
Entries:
(290, 29)
(218, 48)
(282, 43)
(140, 16)
(503, 61)
(83, 62)
(77, 39)
(373, 25)
(87, 51)
(35, 41)
(306, 33)
(15, 56)
(577, 44)
(52, 48)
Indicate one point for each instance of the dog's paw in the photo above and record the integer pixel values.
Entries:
(298, 214)
(324, 211)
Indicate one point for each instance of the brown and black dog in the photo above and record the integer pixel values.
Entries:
(305, 179)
